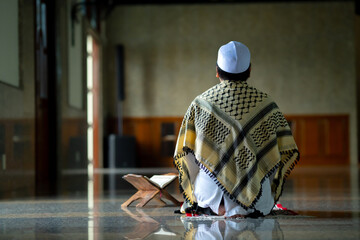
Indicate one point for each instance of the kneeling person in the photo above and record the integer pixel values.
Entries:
(235, 148)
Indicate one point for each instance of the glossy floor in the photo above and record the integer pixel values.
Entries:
(327, 201)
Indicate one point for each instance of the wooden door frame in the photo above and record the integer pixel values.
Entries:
(97, 115)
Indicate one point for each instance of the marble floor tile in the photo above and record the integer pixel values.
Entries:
(327, 204)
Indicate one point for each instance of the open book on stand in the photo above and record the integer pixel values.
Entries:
(150, 188)
(161, 180)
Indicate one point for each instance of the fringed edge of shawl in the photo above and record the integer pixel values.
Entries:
(180, 170)
(287, 173)
(187, 150)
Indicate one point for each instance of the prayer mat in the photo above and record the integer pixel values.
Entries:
(272, 214)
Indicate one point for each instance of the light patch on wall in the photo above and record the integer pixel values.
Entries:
(75, 76)
(9, 45)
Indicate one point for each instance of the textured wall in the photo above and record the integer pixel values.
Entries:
(17, 115)
(302, 55)
(22, 97)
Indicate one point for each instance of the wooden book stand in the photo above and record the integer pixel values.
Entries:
(147, 191)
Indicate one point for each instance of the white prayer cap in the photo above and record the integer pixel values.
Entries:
(233, 57)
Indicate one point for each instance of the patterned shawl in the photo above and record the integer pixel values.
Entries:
(239, 137)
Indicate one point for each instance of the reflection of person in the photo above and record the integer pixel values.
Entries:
(235, 147)
(249, 229)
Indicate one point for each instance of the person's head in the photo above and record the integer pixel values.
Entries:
(233, 62)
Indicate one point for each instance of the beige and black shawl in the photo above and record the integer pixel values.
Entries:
(239, 137)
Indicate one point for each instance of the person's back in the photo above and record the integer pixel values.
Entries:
(235, 148)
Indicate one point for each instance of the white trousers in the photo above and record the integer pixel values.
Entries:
(208, 194)
(250, 229)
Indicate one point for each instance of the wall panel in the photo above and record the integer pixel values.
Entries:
(322, 139)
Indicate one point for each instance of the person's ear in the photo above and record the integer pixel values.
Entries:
(217, 73)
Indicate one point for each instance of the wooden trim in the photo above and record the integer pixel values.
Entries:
(322, 139)
(95, 92)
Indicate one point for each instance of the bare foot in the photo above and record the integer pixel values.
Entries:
(221, 210)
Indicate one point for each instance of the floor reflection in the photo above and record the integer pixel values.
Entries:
(327, 201)
(233, 229)
(146, 226)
